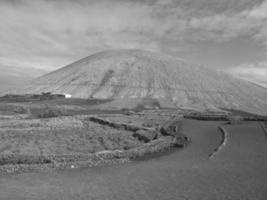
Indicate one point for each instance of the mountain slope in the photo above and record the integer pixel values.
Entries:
(135, 74)
(14, 78)
(11, 75)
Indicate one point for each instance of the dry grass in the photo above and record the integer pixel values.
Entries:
(11, 109)
(142, 120)
(32, 133)
(12, 159)
(62, 135)
(49, 112)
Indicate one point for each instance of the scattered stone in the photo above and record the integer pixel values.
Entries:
(121, 126)
(146, 136)
(181, 141)
(172, 128)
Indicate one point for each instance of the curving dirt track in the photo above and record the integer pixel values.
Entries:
(237, 171)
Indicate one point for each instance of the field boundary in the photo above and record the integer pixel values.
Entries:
(123, 126)
(156, 142)
(23, 163)
(223, 142)
(264, 127)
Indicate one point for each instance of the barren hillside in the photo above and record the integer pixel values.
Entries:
(136, 74)
(12, 78)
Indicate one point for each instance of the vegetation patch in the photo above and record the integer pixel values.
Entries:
(235, 120)
(19, 163)
(246, 116)
(12, 109)
(49, 112)
(123, 126)
(207, 116)
(47, 139)
(13, 159)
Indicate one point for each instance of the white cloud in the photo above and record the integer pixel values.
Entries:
(49, 34)
(259, 12)
(58, 31)
(253, 72)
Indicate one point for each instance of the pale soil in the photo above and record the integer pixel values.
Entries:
(129, 76)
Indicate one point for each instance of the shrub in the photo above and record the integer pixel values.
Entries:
(20, 110)
(147, 103)
(13, 159)
(234, 119)
(49, 112)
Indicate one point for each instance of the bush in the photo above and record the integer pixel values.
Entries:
(147, 103)
(13, 159)
(234, 120)
(49, 112)
(21, 110)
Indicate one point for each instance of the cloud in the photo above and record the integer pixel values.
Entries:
(259, 11)
(53, 33)
(230, 24)
(60, 30)
(252, 72)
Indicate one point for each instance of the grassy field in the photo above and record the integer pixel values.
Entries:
(59, 136)
(39, 132)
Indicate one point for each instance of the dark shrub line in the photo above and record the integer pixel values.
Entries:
(126, 127)
(223, 117)
(206, 117)
(23, 159)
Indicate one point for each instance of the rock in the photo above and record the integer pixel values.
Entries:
(172, 128)
(146, 135)
(181, 141)
(122, 126)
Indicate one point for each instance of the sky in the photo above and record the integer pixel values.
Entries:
(229, 35)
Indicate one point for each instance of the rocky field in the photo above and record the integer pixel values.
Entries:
(36, 133)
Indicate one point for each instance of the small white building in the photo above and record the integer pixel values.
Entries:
(67, 96)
